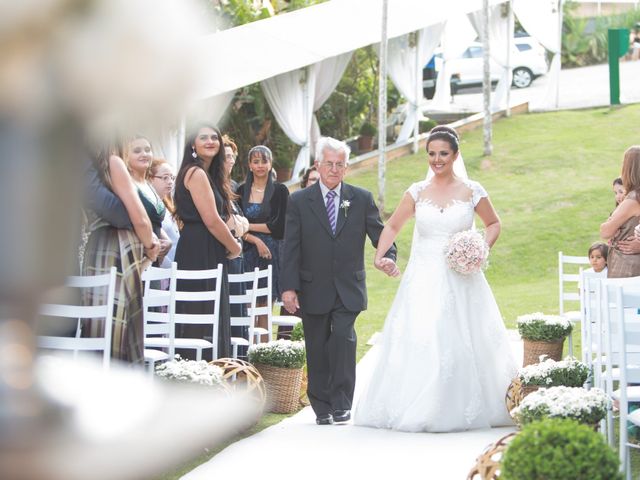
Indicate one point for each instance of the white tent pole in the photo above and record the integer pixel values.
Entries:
(418, 85)
(560, 2)
(486, 79)
(510, 32)
(308, 108)
(382, 107)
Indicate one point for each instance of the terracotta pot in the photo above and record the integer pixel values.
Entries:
(283, 174)
(365, 143)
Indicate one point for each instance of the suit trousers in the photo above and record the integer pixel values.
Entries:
(330, 340)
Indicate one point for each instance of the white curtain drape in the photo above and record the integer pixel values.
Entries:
(294, 96)
(458, 33)
(404, 55)
(168, 142)
(500, 31)
(328, 74)
(291, 100)
(542, 20)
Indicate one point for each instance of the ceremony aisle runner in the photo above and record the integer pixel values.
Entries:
(297, 448)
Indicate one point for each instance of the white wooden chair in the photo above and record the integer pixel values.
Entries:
(247, 302)
(103, 293)
(158, 312)
(622, 301)
(209, 319)
(568, 287)
(278, 320)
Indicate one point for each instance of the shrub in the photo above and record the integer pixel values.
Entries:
(550, 373)
(281, 353)
(555, 449)
(584, 406)
(368, 130)
(539, 327)
(297, 334)
(426, 125)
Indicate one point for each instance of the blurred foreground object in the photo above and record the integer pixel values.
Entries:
(121, 424)
(73, 72)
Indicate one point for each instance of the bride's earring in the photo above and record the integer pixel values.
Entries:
(193, 152)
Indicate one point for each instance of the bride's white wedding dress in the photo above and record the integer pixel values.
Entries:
(445, 361)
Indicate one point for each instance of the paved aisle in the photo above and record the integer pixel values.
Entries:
(297, 448)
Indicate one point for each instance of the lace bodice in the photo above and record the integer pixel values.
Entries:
(437, 221)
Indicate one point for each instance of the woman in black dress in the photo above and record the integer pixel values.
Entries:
(264, 203)
(203, 203)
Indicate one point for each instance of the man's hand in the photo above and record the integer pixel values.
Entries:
(387, 266)
(290, 301)
(630, 246)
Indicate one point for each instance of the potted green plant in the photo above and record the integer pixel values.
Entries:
(280, 364)
(559, 449)
(579, 404)
(365, 140)
(551, 373)
(542, 335)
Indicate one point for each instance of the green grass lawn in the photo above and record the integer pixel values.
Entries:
(550, 181)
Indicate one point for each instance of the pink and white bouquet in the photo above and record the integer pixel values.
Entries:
(467, 252)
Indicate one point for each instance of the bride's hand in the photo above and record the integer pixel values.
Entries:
(387, 266)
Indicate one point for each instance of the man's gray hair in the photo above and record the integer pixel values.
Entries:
(328, 143)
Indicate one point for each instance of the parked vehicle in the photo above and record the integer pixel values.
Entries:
(528, 59)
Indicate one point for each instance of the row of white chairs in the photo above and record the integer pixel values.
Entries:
(161, 294)
(611, 348)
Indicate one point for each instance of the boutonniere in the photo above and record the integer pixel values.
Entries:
(345, 206)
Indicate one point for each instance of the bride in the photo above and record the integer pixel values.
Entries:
(445, 361)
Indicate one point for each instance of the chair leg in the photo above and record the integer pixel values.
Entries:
(234, 351)
(198, 354)
(570, 345)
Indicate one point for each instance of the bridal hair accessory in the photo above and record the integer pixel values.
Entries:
(443, 132)
(193, 152)
(467, 252)
(345, 206)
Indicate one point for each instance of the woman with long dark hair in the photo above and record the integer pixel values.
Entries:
(203, 204)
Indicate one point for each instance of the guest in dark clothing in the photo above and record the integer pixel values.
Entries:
(203, 204)
(264, 203)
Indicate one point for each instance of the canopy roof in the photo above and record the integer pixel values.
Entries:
(256, 51)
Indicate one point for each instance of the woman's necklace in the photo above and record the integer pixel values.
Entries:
(257, 189)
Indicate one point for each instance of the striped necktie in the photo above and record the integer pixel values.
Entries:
(331, 209)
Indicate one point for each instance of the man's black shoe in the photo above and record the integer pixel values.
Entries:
(340, 416)
(324, 419)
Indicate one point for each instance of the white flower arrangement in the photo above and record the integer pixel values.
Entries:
(345, 206)
(281, 353)
(543, 328)
(191, 371)
(585, 406)
(467, 252)
(568, 372)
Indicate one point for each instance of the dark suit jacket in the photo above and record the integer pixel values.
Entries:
(320, 265)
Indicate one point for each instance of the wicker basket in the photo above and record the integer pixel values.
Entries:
(533, 350)
(283, 387)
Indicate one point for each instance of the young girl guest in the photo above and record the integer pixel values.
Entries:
(162, 177)
(618, 191)
(598, 258)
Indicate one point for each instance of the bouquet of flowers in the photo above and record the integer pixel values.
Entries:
(467, 252)
(549, 373)
(191, 371)
(585, 406)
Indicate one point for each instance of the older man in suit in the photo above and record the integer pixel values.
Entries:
(323, 275)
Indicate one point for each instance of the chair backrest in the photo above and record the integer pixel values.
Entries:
(263, 296)
(158, 303)
(103, 288)
(211, 293)
(589, 301)
(247, 282)
(568, 279)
